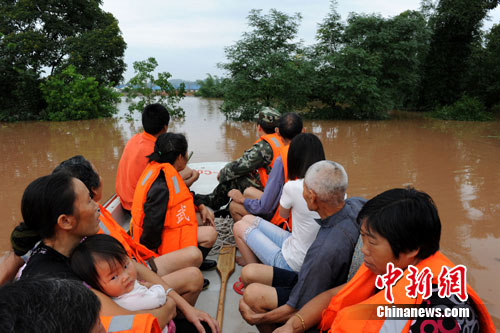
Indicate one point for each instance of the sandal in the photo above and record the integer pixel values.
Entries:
(239, 287)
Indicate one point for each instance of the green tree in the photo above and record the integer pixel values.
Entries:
(211, 87)
(401, 43)
(144, 89)
(266, 67)
(45, 36)
(484, 68)
(72, 96)
(455, 24)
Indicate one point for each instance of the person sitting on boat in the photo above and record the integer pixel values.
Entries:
(102, 262)
(177, 267)
(400, 227)
(265, 203)
(163, 211)
(273, 294)
(155, 119)
(252, 169)
(49, 305)
(58, 209)
(261, 241)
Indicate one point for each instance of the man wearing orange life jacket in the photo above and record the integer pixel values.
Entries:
(265, 204)
(155, 119)
(252, 169)
(402, 227)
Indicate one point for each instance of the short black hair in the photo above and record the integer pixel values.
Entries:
(266, 127)
(48, 305)
(100, 247)
(290, 124)
(407, 218)
(305, 150)
(154, 118)
(168, 147)
(79, 167)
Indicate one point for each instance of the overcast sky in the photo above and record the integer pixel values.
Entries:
(188, 37)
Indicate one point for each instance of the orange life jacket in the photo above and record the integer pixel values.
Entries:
(277, 219)
(138, 323)
(180, 228)
(108, 226)
(347, 311)
(275, 142)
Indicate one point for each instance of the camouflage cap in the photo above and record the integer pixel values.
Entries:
(268, 115)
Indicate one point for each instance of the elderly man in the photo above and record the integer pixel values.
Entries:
(273, 295)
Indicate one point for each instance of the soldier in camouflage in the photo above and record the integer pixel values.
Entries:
(242, 173)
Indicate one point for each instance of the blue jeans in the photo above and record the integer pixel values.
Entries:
(266, 239)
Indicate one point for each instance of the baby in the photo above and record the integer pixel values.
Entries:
(102, 262)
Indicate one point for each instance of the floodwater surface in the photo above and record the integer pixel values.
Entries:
(457, 163)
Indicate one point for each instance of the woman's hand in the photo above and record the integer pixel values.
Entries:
(207, 216)
(236, 195)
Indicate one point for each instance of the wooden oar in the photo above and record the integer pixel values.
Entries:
(225, 267)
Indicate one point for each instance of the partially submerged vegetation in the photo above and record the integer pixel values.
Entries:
(437, 58)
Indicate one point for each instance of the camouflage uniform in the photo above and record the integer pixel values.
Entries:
(242, 173)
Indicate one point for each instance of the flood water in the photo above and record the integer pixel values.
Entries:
(457, 163)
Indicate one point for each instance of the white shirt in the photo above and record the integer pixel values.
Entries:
(142, 298)
(304, 226)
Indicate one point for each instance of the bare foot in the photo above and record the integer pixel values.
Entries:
(240, 261)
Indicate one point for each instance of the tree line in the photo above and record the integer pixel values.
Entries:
(59, 60)
(435, 59)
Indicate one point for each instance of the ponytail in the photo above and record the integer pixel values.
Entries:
(23, 239)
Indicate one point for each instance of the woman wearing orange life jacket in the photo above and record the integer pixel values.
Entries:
(163, 209)
(402, 227)
(178, 268)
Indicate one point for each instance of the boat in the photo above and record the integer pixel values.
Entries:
(209, 298)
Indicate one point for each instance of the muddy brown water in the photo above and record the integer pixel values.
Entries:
(457, 163)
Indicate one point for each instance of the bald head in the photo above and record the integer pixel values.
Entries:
(328, 180)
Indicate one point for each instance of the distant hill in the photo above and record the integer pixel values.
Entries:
(190, 85)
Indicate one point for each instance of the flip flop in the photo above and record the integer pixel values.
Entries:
(239, 287)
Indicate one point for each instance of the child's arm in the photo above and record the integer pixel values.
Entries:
(164, 313)
(192, 314)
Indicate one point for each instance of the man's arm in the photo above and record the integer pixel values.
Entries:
(311, 312)
(278, 315)
(189, 176)
(272, 192)
(259, 155)
(193, 315)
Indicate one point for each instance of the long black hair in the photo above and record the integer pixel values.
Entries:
(305, 150)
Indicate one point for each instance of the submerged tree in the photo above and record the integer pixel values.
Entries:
(456, 24)
(266, 67)
(144, 89)
(43, 37)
